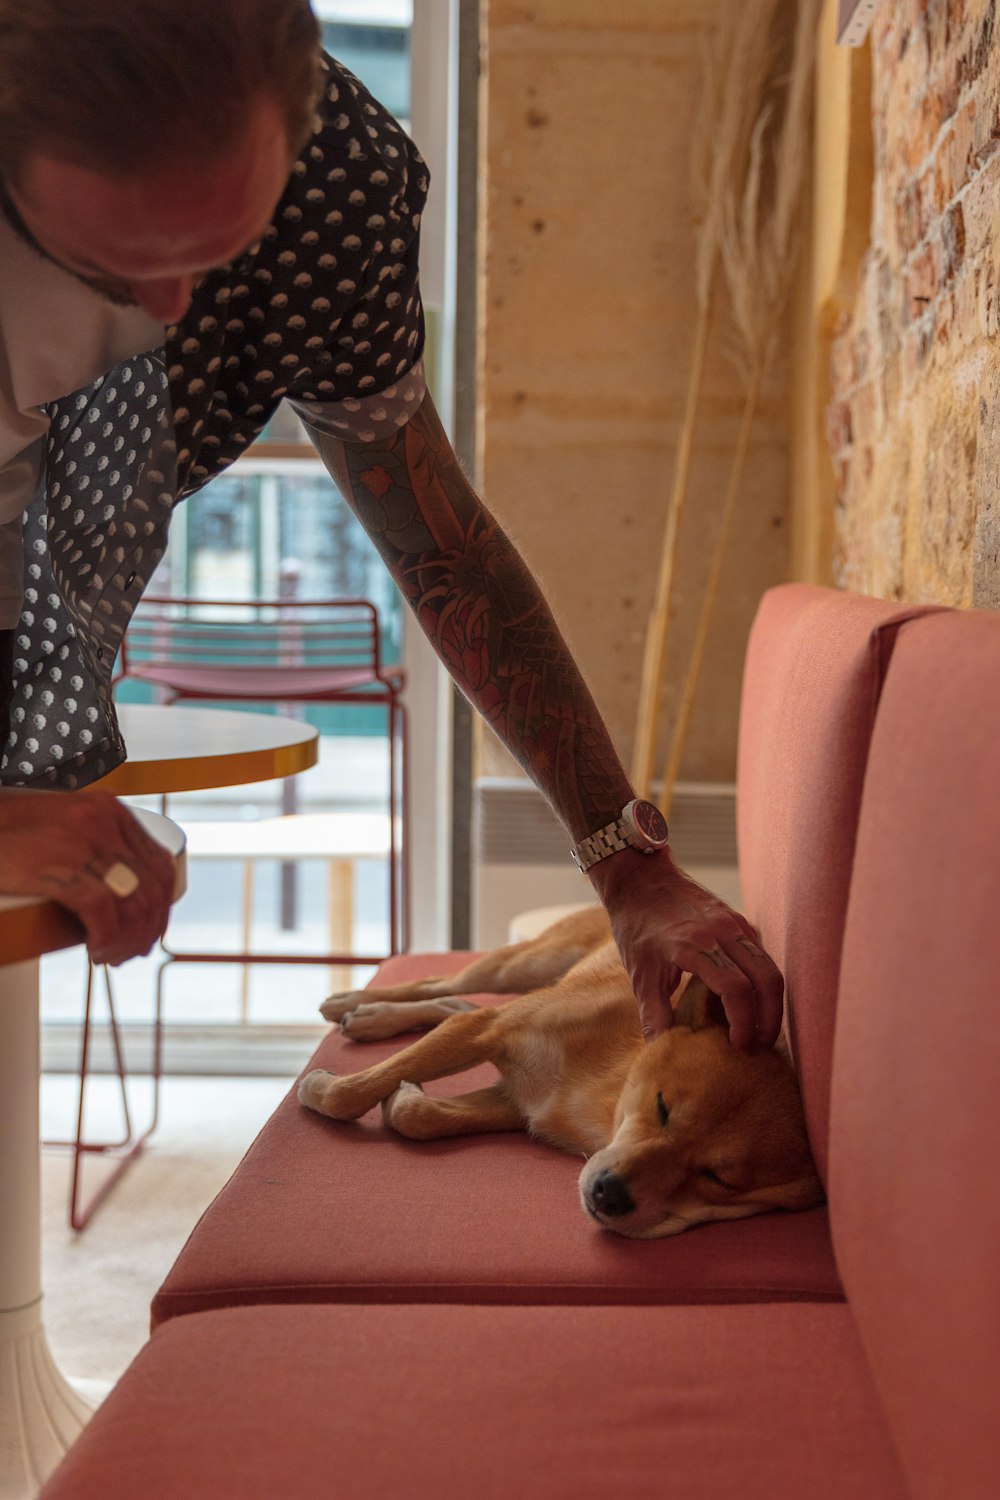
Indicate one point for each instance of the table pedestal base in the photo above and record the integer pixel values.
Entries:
(40, 1412)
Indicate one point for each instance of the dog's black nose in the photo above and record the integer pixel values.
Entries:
(609, 1195)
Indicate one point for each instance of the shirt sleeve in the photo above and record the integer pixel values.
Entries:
(368, 419)
(370, 373)
(325, 310)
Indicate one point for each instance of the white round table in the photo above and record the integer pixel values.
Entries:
(170, 749)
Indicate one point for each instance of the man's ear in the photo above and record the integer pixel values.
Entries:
(697, 1006)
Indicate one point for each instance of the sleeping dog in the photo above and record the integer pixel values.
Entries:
(676, 1132)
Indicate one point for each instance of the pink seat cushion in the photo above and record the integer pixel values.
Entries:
(320, 1211)
(814, 669)
(542, 1403)
(916, 1096)
(268, 684)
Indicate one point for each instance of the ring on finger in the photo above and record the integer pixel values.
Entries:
(121, 879)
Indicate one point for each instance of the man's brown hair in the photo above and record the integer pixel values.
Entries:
(119, 86)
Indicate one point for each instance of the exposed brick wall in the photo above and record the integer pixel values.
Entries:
(914, 417)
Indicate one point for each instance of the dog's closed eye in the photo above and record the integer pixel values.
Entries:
(662, 1109)
(714, 1177)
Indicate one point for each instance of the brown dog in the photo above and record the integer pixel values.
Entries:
(677, 1132)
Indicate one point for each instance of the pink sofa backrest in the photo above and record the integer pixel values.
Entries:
(914, 1195)
(814, 669)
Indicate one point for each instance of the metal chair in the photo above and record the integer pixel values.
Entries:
(292, 651)
(276, 651)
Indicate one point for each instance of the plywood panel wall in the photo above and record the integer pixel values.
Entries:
(587, 321)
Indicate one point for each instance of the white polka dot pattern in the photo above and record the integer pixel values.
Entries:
(324, 311)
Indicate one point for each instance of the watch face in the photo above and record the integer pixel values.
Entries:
(650, 822)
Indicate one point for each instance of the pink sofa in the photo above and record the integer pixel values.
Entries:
(356, 1314)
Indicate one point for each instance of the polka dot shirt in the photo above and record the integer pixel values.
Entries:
(324, 311)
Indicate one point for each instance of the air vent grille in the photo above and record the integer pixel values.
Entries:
(514, 825)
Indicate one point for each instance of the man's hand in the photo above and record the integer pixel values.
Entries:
(666, 925)
(62, 844)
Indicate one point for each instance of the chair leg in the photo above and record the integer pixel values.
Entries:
(248, 874)
(130, 1145)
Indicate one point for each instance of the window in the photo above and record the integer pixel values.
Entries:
(372, 38)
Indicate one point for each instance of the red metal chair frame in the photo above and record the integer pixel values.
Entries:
(122, 1152)
(171, 647)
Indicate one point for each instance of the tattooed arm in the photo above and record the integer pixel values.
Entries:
(487, 620)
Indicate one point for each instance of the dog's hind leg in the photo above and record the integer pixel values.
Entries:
(459, 1043)
(419, 1117)
(505, 971)
(422, 991)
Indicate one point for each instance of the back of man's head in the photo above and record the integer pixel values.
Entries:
(120, 86)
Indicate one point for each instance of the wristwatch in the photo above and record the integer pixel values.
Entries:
(640, 825)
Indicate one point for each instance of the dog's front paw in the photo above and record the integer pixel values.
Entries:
(313, 1089)
(329, 1094)
(404, 1108)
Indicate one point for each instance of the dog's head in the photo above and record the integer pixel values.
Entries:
(701, 1132)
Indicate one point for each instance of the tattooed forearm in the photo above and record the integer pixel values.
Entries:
(484, 614)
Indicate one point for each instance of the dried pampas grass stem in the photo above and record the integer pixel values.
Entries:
(758, 95)
(736, 78)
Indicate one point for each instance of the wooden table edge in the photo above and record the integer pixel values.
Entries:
(197, 772)
(27, 932)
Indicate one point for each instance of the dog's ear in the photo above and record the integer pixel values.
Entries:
(697, 1006)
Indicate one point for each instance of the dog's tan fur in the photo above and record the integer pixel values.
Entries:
(575, 1072)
